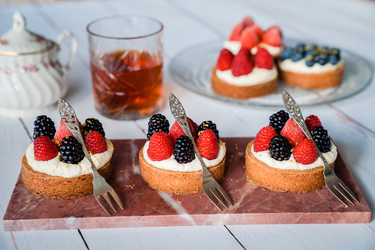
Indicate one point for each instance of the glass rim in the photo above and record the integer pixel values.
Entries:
(124, 38)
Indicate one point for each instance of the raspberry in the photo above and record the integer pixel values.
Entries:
(160, 147)
(44, 149)
(312, 121)
(273, 36)
(208, 145)
(241, 64)
(305, 152)
(62, 131)
(249, 38)
(292, 132)
(224, 62)
(263, 138)
(95, 142)
(263, 59)
(176, 131)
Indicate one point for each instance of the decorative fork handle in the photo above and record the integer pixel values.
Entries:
(294, 110)
(179, 114)
(69, 117)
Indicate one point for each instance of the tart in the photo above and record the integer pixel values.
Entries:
(311, 66)
(167, 161)
(282, 159)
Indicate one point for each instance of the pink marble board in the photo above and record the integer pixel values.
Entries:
(145, 207)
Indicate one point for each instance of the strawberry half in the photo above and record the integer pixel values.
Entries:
(44, 149)
(208, 145)
(160, 147)
(63, 131)
(95, 142)
(305, 152)
(247, 21)
(263, 59)
(236, 32)
(241, 64)
(263, 138)
(176, 131)
(249, 38)
(224, 62)
(292, 132)
(273, 37)
(257, 30)
(312, 121)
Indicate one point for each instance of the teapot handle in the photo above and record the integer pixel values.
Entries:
(73, 50)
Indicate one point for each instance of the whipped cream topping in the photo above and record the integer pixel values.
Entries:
(55, 167)
(265, 156)
(257, 76)
(300, 66)
(235, 46)
(172, 165)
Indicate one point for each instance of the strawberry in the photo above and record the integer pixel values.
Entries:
(257, 29)
(263, 138)
(44, 149)
(276, 28)
(95, 142)
(176, 131)
(247, 21)
(160, 147)
(312, 121)
(263, 59)
(62, 131)
(224, 62)
(241, 64)
(305, 152)
(273, 37)
(236, 32)
(207, 144)
(249, 38)
(292, 132)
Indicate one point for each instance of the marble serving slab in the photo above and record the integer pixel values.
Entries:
(146, 207)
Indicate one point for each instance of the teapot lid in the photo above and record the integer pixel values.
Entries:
(19, 41)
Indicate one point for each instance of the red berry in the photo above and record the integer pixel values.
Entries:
(224, 62)
(241, 64)
(236, 32)
(249, 38)
(247, 21)
(160, 147)
(292, 132)
(257, 29)
(44, 149)
(176, 131)
(305, 152)
(208, 145)
(312, 121)
(273, 37)
(263, 59)
(62, 131)
(95, 142)
(263, 138)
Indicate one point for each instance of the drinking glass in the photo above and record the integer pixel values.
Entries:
(126, 66)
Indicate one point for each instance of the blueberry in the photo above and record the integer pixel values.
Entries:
(336, 52)
(324, 50)
(286, 54)
(310, 63)
(309, 47)
(322, 60)
(297, 57)
(333, 59)
(310, 52)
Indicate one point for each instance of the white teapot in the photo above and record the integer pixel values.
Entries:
(31, 77)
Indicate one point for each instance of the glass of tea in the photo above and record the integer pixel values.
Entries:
(126, 66)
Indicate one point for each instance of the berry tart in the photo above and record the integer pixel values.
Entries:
(249, 35)
(244, 75)
(281, 158)
(311, 66)
(167, 161)
(54, 165)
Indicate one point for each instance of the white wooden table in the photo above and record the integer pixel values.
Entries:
(346, 24)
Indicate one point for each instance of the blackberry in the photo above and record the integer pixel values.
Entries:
(43, 125)
(278, 120)
(71, 150)
(157, 123)
(92, 124)
(320, 136)
(208, 125)
(183, 150)
(280, 148)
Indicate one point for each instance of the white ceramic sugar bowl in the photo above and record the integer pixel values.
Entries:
(31, 77)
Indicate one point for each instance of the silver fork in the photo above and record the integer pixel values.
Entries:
(101, 187)
(332, 182)
(208, 181)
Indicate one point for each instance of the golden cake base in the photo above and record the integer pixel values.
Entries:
(174, 182)
(56, 187)
(242, 92)
(283, 180)
(314, 81)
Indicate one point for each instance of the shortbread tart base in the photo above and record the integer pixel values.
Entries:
(283, 180)
(242, 92)
(175, 182)
(324, 80)
(56, 187)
